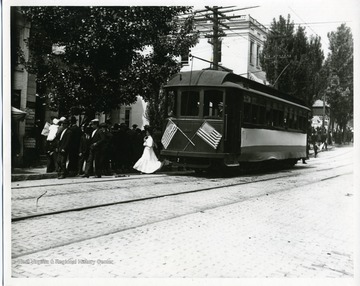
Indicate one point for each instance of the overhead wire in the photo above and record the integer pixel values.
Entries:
(307, 24)
(247, 39)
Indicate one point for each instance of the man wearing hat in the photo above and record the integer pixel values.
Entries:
(51, 147)
(95, 156)
(106, 149)
(74, 147)
(63, 149)
(60, 123)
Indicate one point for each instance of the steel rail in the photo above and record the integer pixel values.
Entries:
(15, 256)
(127, 179)
(21, 218)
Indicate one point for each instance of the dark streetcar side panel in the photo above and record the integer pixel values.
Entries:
(253, 126)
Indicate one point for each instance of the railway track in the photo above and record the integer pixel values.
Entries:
(192, 193)
(171, 194)
(194, 197)
(81, 234)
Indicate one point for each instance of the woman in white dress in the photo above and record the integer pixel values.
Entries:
(148, 163)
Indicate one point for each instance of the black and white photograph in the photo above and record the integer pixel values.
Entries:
(180, 143)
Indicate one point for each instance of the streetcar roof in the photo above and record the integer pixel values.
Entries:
(198, 78)
(215, 78)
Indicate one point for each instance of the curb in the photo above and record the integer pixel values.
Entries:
(40, 176)
(24, 177)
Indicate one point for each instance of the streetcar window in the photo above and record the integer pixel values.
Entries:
(296, 120)
(247, 112)
(291, 120)
(275, 115)
(278, 115)
(261, 111)
(281, 118)
(190, 101)
(171, 103)
(254, 113)
(247, 109)
(269, 120)
(303, 121)
(213, 103)
(286, 117)
(262, 115)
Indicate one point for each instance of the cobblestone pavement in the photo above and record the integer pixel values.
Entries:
(75, 226)
(78, 193)
(270, 229)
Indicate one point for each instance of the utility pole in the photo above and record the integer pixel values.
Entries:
(215, 39)
(217, 16)
(217, 32)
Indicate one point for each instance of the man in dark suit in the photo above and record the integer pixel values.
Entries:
(96, 155)
(84, 149)
(63, 149)
(74, 147)
(106, 149)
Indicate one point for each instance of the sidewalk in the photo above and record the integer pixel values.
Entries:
(38, 173)
(23, 174)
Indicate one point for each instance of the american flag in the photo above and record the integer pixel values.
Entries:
(169, 133)
(209, 135)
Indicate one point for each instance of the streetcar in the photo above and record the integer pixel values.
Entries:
(220, 119)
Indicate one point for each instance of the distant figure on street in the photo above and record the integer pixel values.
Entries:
(315, 149)
(307, 154)
(63, 149)
(148, 163)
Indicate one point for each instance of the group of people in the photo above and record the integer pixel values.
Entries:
(99, 149)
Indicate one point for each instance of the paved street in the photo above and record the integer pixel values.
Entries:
(296, 223)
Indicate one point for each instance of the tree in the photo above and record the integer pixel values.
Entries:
(152, 70)
(340, 103)
(277, 50)
(292, 62)
(339, 65)
(93, 58)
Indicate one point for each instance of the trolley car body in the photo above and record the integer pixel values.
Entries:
(219, 118)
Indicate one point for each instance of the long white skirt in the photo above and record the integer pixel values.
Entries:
(148, 163)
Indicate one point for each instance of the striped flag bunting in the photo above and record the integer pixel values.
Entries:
(169, 133)
(209, 135)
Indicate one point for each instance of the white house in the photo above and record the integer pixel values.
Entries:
(130, 114)
(239, 49)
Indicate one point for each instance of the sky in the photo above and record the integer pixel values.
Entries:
(318, 16)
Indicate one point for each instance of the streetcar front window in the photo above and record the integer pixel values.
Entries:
(213, 103)
(190, 102)
(171, 103)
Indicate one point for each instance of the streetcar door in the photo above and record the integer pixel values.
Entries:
(232, 121)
